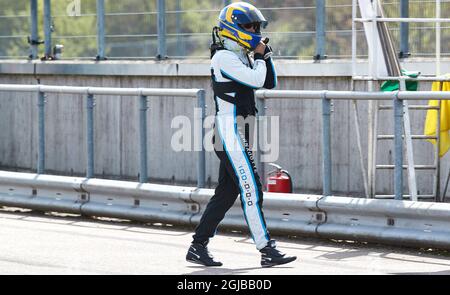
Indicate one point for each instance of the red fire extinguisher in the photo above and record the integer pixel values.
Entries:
(279, 180)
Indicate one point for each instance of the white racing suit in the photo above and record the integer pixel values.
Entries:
(235, 76)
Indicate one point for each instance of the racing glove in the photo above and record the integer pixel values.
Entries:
(268, 51)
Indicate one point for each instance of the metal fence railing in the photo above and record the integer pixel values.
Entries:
(138, 29)
(325, 96)
(90, 92)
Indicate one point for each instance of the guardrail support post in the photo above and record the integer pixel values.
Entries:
(261, 105)
(398, 143)
(100, 30)
(201, 164)
(48, 28)
(162, 54)
(34, 30)
(326, 144)
(41, 133)
(90, 103)
(321, 15)
(143, 175)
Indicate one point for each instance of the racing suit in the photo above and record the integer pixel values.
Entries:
(235, 76)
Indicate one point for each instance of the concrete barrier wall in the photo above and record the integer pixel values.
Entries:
(116, 127)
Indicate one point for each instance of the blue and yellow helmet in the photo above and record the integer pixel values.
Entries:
(235, 17)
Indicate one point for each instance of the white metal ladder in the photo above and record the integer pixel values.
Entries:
(408, 140)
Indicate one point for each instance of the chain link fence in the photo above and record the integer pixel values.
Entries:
(131, 28)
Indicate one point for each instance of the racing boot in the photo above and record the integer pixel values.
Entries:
(198, 253)
(270, 256)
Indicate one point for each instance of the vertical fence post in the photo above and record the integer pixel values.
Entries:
(100, 30)
(181, 41)
(201, 163)
(354, 37)
(162, 54)
(398, 143)
(261, 105)
(438, 39)
(326, 144)
(320, 30)
(90, 135)
(41, 133)
(34, 30)
(404, 30)
(143, 174)
(178, 28)
(48, 28)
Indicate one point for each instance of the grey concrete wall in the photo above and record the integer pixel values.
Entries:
(117, 142)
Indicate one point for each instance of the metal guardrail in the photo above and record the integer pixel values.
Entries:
(142, 93)
(404, 223)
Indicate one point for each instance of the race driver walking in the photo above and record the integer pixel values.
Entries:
(235, 76)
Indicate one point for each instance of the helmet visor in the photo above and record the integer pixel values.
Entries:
(252, 16)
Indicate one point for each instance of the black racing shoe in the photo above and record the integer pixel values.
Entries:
(270, 256)
(198, 253)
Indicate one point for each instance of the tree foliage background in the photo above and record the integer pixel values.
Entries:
(131, 27)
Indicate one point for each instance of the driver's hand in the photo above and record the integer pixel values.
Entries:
(260, 48)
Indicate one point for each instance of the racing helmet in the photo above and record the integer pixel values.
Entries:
(234, 18)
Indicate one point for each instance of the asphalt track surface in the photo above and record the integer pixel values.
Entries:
(54, 244)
